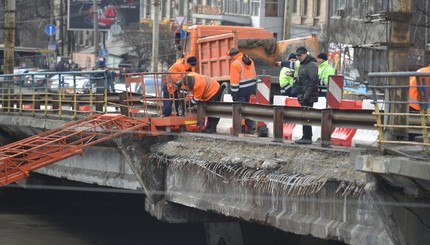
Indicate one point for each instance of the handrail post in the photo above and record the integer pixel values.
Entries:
(326, 127)
(237, 118)
(201, 113)
(278, 124)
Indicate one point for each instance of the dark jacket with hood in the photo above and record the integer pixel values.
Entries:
(307, 80)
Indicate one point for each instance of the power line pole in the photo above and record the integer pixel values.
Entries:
(96, 34)
(287, 20)
(9, 45)
(155, 35)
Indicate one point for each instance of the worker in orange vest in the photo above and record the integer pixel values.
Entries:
(176, 72)
(243, 81)
(417, 102)
(203, 88)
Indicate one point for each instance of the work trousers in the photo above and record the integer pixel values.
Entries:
(168, 102)
(307, 130)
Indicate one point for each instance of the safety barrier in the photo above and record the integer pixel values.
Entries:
(289, 127)
(316, 130)
(343, 136)
(366, 136)
(335, 91)
(339, 136)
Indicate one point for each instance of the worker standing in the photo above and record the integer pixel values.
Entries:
(307, 87)
(176, 72)
(243, 81)
(324, 70)
(203, 88)
(416, 102)
(287, 76)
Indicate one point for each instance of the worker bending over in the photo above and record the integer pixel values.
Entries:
(203, 88)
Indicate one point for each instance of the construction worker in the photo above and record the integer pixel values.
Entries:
(287, 75)
(176, 72)
(324, 70)
(307, 87)
(417, 102)
(243, 81)
(203, 88)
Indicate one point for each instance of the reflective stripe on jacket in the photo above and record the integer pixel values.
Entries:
(286, 80)
(202, 87)
(243, 78)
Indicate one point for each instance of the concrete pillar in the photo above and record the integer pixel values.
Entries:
(223, 233)
(398, 53)
(151, 175)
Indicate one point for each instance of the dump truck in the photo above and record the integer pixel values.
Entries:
(210, 43)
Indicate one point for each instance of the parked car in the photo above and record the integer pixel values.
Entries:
(150, 86)
(20, 73)
(71, 83)
(36, 80)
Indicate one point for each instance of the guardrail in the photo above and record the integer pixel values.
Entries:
(326, 118)
(41, 101)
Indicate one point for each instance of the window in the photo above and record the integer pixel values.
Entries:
(318, 8)
(293, 6)
(305, 7)
(338, 4)
(272, 8)
(255, 8)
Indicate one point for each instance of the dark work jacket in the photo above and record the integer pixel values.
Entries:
(307, 80)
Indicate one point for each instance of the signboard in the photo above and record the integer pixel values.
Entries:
(50, 29)
(124, 13)
(52, 45)
(183, 33)
(180, 20)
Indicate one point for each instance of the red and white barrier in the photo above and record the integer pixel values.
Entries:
(366, 136)
(27, 106)
(316, 130)
(225, 124)
(289, 127)
(263, 91)
(343, 136)
(334, 91)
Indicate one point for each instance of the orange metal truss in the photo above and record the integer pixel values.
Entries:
(19, 158)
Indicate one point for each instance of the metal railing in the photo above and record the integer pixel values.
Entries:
(76, 102)
(399, 124)
(67, 93)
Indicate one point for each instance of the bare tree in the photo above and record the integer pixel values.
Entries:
(357, 41)
(420, 24)
(141, 43)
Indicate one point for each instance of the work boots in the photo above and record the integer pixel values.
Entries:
(303, 141)
(210, 128)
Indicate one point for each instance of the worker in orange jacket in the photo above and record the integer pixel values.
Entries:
(176, 72)
(414, 88)
(243, 80)
(203, 88)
